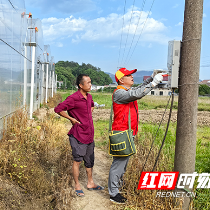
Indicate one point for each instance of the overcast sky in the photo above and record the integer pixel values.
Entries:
(116, 33)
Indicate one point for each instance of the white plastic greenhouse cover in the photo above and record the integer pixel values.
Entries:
(24, 60)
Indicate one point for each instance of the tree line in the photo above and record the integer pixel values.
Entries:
(68, 71)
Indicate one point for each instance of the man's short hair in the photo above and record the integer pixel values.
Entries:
(80, 79)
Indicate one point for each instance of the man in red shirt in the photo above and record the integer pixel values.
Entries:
(79, 106)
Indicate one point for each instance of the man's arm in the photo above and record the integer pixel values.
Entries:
(63, 107)
(122, 96)
(147, 81)
(64, 114)
(92, 105)
(92, 108)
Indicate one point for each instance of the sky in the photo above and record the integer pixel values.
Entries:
(110, 34)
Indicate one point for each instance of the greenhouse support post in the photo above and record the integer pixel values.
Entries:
(25, 78)
(32, 81)
(46, 82)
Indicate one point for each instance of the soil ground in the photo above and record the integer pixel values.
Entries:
(94, 200)
(155, 116)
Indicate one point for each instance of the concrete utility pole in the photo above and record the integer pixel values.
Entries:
(185, 151)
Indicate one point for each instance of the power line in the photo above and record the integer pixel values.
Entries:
(121, 34)
(12, 4)
(128, 29)
(141, 31)
(143, 4)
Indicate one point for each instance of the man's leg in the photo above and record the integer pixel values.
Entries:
(89, 162)
(75, 170)
(90, 183)
(77, 149)
(116, 172)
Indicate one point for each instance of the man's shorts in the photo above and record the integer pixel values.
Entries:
(82, 151)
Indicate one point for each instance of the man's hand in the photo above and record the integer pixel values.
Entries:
(157, 79)
(64, 114)
(74, 121)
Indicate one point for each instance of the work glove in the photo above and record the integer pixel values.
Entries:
(157, 79)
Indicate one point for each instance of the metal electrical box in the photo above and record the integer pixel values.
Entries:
(173, 63)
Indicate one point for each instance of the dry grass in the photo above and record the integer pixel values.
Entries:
(53, 101)
(35, 159)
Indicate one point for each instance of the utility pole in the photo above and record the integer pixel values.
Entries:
(185, 151)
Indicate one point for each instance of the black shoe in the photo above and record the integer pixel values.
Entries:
(118, 199)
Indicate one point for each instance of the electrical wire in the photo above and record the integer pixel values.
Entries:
(121, 34)
(142, 9)
(169, 118)
(156, 135)
(128, 29)
(141, 32)
(12, 4)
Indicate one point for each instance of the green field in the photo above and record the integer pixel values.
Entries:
(148, 102)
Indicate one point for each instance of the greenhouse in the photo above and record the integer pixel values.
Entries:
(27, 68)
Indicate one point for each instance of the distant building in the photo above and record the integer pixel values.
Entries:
(96, 87)
(205, 82)
(114, 84)
(145, 77)
(100, 87)
(160, 92)
(59, 84)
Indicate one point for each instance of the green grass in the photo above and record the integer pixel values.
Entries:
(146, 103)
(101, 133)
(100, 98)
(203, 165)
(103, 98)
(148, 131)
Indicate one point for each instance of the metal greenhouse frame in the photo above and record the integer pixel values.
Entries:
(27, 69)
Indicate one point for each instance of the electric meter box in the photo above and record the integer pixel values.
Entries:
(173, 63)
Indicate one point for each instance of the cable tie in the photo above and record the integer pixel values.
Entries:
(188, 84)
(191, 39)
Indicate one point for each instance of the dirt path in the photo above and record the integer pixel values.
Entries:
(95, 200)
